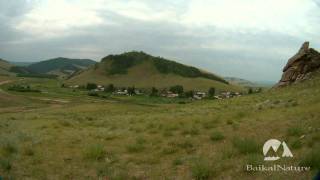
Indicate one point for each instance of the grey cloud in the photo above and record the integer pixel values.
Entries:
(15, 8)
(261, 56)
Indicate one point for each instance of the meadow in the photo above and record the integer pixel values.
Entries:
(65, 134)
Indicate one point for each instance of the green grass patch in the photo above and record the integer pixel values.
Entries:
(202, 169)
(312, 159)
(295, 131)
(5, 164)
(8, 148)
(95, 152)
(246, 145)
(216, 136)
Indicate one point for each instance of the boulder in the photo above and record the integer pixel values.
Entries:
(300, 66)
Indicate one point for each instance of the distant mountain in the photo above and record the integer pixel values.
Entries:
(23, 64)
(60, 66)
(241, 82)
(145, 71)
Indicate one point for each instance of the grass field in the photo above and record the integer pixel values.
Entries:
(61, 134)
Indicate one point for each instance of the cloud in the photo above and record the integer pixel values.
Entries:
(248, 39)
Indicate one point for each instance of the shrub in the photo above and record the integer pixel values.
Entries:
(201, 169)
(110, 88)
(22, 88)
(189, 94)
(135, 148)
(216, 136)
(296, 144)
(91, 86)
(105, 170)
(178, 89)
(246, 146)
(7, 148)
(211, 92)
(295, 131)
(95, 152)
(254, 160)
(312, 159)
(190, 131)
(5, 165)
(92, 93)
(138, 146)
(177, 162)
(28, 151)
(154, 91)
(229, 121)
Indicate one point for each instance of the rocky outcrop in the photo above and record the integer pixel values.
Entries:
(300, 66)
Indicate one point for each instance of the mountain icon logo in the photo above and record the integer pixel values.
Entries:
(271, 147)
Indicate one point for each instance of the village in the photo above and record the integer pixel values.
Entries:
(172, 92)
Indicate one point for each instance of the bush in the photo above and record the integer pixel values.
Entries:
(110, 88)
(105, 170)
(92, 93)
(296, 144)
(95, 152)
(154, 91)
(189, 94)
(190, 131)
(246, 146)
(7, 148)
(177, 162)
(5, 165)
(216, 136)
(169, 150)
(254, 160)
(295, 131)
(22, 88)
(201, 169)
(138, 146)
(312, 159)
(91, 86)
(178, 89)
(135, 148)
(211, 92)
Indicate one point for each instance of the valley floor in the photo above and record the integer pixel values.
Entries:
(60, 134)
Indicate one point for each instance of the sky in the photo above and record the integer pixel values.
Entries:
(250, 39)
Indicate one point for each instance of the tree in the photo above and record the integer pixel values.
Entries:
(211, 92)
(189, 94)
(178, 89)
(154, 91)
(131, 90)
(91, 86)
(110, 88)
(250, 91)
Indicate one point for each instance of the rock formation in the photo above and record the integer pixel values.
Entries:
(300, 66)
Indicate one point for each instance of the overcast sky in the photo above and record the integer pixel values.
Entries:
(250, 39)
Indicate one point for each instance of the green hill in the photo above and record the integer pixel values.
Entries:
(5, 67)
(60, 66)
(145, 71)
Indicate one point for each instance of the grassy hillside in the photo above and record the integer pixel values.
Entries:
(145, 71)
(5, 68)
(60, 65)
(67, 135)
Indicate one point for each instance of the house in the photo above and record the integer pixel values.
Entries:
(121, 92)
(199, 95)
(74, 87)
(138, 92)
(169, 94)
